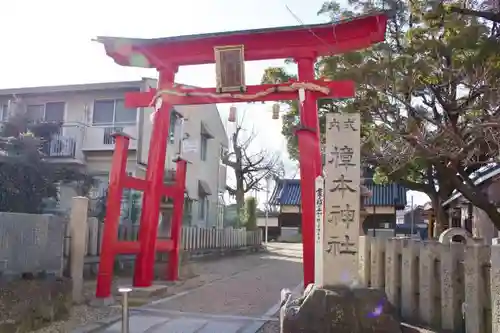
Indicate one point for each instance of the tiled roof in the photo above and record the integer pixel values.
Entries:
(385, 195)
(287, 193)
(481, 178)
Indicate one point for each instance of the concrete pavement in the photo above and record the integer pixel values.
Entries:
(239, 303)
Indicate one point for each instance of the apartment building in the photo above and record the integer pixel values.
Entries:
(90, 113)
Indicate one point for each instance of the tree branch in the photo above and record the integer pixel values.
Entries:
(488, 15)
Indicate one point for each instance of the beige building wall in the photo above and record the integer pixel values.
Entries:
(197, 119)
(79, 102)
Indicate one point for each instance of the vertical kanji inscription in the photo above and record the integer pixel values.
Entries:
(342, 198)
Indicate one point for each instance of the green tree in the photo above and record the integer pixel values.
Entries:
(99, 207)
(428, 98)
(251, 213)
(27, 179)
(135, 207)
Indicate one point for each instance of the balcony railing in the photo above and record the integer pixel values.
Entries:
(61, 146)
(101, 137)
(65, 143)
(108, 138)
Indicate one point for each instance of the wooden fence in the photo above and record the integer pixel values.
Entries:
(453, 287)
(193, 239)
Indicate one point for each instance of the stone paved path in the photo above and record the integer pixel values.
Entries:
(239, 303)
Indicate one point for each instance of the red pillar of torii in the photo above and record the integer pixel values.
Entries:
(228, 50)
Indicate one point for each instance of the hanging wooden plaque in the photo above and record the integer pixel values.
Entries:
(230, 68)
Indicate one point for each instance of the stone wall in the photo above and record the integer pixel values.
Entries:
(31, 243)
(482, 226)
(445, 286)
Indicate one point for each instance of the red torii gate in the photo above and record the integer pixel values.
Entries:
(228, 50)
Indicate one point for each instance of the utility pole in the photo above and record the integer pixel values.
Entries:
(268, 182)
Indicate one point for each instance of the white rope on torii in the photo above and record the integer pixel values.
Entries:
(301, 87)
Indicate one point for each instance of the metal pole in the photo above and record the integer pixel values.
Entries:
(181, 136)
(125, 313)
(374, 224)
(267, 210)
(412, 217)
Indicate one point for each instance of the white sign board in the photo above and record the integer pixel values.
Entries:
(189, 146)
(342, 199)
(318, 230)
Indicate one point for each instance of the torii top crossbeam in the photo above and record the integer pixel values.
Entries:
(271, 43)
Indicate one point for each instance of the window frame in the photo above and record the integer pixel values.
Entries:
(44, 105)
(174, 120)
(113, 123)
(203, 147)
(203, 204)
(4, 112)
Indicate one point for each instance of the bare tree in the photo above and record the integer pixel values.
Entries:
(250, 166)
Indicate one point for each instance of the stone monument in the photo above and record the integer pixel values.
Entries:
(337, 302)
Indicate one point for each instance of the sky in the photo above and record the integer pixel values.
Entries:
(50, 43)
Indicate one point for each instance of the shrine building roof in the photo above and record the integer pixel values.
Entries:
(273, 43)
(287, 193)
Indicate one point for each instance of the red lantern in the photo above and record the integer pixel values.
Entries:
(232, 114)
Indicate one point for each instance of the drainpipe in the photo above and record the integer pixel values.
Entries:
(217, 189)
(181, 136)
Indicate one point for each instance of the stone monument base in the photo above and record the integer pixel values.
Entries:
(338, 309)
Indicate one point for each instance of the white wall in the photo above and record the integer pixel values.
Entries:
(271, 221)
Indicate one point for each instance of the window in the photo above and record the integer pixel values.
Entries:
(188, 211)
(4, 112)
(100, 186)
(171, 128)
(51, 112)
(36, 112)
(113, 112)
(456, 217)
(470, 216)
(203, 147)
(54, 111)
(202, 207)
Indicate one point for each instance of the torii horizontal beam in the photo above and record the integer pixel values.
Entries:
(183, 95)
(314, 40)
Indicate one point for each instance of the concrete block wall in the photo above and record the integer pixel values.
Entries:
(31, 243)
(452, 287)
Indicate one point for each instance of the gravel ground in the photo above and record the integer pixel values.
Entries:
(81, 314)
(204, 272)
(250, 293)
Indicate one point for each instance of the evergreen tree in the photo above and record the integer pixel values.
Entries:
(27, 179)
(427, 95)
(251, 213)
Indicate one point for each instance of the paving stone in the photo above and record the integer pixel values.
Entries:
(138, 324)
(180, 325)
